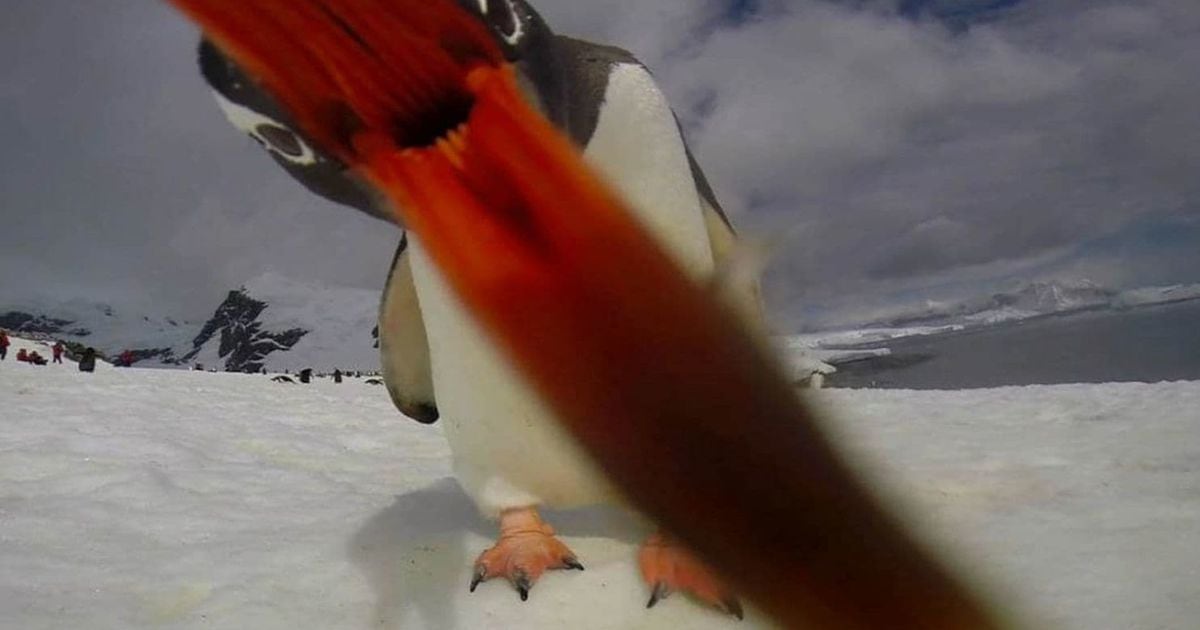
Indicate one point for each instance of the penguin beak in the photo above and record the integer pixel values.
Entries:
(657, 381)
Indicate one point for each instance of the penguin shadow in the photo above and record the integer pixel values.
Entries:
(417, 553)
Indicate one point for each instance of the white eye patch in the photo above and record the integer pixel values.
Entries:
(275, 136)
(502, 21)
(518, 26)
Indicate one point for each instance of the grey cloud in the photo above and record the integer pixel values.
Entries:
(901, 156)
(120, 179)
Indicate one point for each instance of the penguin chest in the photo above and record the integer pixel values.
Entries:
(637, 146)
(508, 449)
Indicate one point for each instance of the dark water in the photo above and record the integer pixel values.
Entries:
(1148, 344)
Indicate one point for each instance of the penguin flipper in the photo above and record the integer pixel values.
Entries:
(403, 345)
(736, 279)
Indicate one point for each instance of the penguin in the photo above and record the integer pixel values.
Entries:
(446, 111)
(437, 361)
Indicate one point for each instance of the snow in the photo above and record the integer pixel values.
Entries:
(831, 340)
(810, 353)
(1158, 295)
(134, 498)
(110, 329)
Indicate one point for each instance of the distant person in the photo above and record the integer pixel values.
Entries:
(36, 358)
(23, 355)
(3, 344)
(87, 363)
(306, 375)
(58, 351)
(337, 375)
(126, 359)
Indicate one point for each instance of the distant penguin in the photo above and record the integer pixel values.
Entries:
(510, 455)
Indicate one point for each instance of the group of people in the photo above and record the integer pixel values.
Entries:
(87, 362)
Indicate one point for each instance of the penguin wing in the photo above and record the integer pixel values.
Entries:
(736, 279)
(403, 346)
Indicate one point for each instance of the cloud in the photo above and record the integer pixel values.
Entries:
(908, 146)
(119, 177)
(902, 151)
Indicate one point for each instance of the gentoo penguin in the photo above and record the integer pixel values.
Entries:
(441, 115)
(510, 455)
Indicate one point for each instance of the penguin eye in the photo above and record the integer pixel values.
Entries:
(500, 16)
(280, 139)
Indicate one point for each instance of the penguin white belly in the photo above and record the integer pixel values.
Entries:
(508, 449)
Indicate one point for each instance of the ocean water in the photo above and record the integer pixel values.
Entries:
(1145, 344)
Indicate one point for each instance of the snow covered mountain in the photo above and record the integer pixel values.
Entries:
(109, 329)
(277, 323)
(270, 322)
(1032, 299)
(1158, 295)
(843, 345)
(1027, 300)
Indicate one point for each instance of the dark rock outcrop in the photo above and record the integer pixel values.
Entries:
(20, 321)
(243, 344)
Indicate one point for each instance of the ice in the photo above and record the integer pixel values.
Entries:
(136, 498)
(1158, 295)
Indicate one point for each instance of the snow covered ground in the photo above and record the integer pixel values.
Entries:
(134, 498)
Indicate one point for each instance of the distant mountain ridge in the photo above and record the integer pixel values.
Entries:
(98, 325)
(241, 342)
(277, 323)
(1032, 299)
(270, 322)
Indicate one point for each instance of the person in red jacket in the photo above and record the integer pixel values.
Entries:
(3, 344)
(22, 356)
(126, 359)
(58, 351)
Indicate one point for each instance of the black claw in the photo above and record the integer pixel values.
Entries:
(480, 575)
(523, 585)
(733, 607)
(659, 593)
(572, 563)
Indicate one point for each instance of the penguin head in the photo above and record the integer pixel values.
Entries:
(253, 111)
(516, 28)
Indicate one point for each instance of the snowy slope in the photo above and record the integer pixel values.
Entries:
(134, 498)
(43, 348)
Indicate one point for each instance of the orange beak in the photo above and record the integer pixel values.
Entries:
(658, 382)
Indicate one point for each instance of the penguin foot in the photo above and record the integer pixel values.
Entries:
(526, 549)
(668, 567)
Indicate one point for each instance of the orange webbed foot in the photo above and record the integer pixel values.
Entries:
(526, 549)
(667, 566)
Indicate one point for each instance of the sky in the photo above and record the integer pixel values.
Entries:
(882, 152)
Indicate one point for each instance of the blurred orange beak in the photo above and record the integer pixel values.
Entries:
(658, 382)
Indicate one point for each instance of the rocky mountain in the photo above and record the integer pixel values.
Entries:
(277, 323)
(99, 325)
(22, 322)
(242, 343)
(270, 322)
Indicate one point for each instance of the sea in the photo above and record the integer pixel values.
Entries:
(1142, 344)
